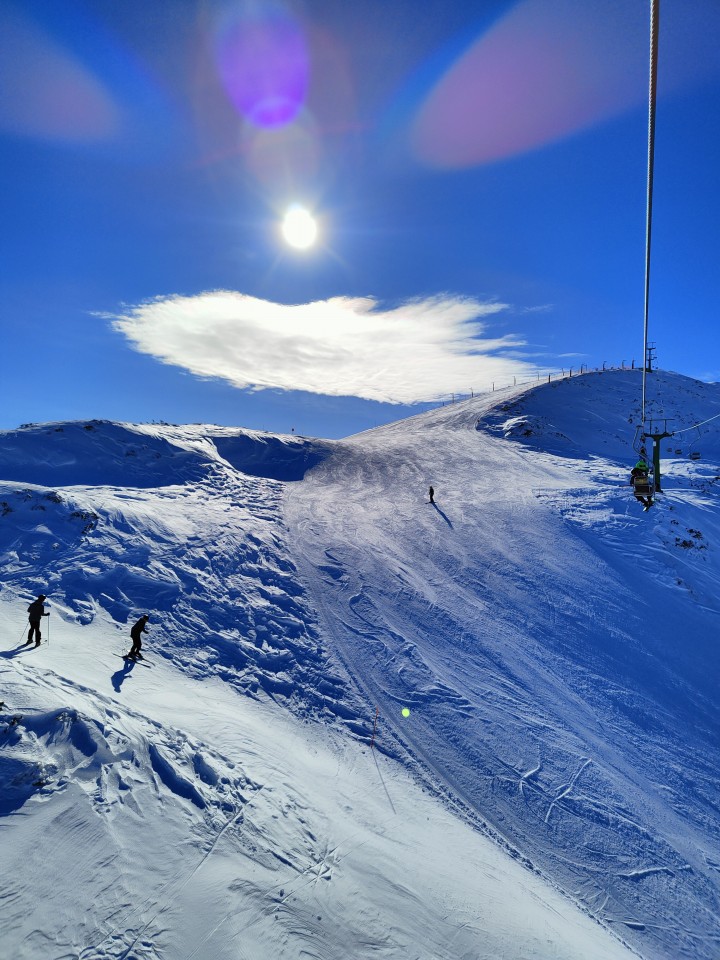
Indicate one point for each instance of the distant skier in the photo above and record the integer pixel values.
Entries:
(640, 482)
(432, 495)
(138, 628)
(36, 611)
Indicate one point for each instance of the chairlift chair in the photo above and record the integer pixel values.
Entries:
(643, 486)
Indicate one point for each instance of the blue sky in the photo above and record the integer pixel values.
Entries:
(477, 172)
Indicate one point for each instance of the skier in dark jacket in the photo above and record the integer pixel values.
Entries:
(36, 611)
(138, 628)
(432, 495)
(639, 478)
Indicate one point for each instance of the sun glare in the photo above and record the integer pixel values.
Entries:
(299, 228)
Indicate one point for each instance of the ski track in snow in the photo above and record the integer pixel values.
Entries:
(529, 619)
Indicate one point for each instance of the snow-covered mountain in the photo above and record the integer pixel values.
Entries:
(534, 655)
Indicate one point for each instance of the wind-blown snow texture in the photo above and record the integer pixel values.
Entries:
(553, 792)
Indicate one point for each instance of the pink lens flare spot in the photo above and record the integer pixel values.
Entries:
(546, 70)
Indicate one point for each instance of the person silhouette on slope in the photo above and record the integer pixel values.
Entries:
(138, 628)
(432, 495)
(36, 611)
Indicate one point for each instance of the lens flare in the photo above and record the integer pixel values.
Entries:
(55, 96)
(263, 63)
(546, 70)
(283, 158)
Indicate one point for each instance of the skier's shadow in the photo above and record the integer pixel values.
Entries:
(443, 515)
(120, 676)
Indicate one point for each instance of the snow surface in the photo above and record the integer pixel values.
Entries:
(553, 792)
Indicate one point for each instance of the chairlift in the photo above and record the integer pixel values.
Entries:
(689, 447)
(643, 486)
(695, 454)
(638, 444)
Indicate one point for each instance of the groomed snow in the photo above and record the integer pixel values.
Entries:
(553, 791)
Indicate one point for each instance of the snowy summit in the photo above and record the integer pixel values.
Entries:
(366, 725)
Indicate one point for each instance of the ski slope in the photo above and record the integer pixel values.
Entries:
(551, 789)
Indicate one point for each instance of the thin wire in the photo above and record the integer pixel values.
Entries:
(654, 31)
(695, 425)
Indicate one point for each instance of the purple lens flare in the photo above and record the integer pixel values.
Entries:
(264, 64)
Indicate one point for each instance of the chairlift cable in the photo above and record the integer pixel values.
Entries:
(654, 32)
(695, 425)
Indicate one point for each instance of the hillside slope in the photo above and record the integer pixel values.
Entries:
(552, 643)
(555, 644)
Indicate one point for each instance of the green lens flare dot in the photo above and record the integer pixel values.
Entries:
(405, 712)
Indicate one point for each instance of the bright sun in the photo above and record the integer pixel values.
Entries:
(299, 227)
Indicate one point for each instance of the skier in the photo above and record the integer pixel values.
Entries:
(36, 611)
(432, 495)
(639, 480)
(138, 628)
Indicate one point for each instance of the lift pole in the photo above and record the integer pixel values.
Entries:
(656, 437)
(654, 34)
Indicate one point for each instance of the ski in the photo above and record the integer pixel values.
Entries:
(124, 656)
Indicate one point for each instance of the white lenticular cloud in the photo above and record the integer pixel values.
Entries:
(417, 351)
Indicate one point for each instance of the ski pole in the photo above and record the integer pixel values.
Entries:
(48, 639)
(22, 634)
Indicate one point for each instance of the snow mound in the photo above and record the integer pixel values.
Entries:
(102, 453)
